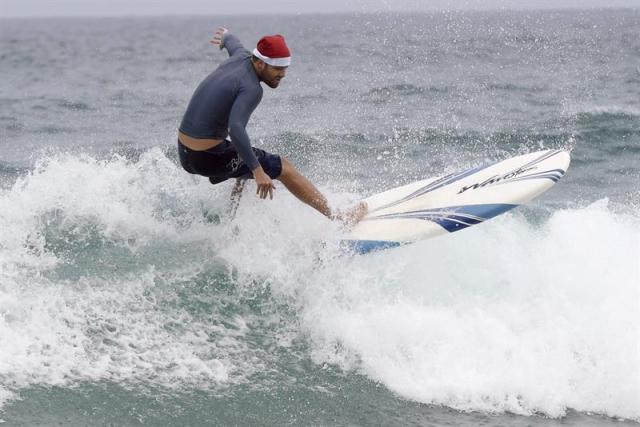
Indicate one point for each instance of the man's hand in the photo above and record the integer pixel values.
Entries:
(264, 183)
(217, 37)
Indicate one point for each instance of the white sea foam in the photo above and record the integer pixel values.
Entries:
(503, 317)
(510, 315)
(108, 322)
(124, 199)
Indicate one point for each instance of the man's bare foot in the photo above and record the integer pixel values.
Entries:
(352, 216)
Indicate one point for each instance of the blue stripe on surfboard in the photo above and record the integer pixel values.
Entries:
(452, 218)
(554, 175)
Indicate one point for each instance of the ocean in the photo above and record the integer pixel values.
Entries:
(129, 296)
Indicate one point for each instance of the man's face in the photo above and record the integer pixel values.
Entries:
(272, 75)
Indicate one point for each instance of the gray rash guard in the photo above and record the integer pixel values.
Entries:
(224, 101)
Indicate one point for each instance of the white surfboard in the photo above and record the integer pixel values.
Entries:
(442, 205)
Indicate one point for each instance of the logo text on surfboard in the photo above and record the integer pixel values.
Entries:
(496, 179)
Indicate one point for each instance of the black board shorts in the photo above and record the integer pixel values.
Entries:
(223, 162)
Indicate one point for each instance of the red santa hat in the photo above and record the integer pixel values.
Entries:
(273, 50)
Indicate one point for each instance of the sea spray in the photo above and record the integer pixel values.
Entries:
(505, 317)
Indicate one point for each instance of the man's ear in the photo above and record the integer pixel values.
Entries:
(260, 65)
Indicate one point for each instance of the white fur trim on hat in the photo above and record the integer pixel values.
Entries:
(275, 62)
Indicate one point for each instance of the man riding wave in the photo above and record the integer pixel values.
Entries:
(221, 107)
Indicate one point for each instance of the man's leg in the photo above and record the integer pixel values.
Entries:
(236, 194)
(304, 190)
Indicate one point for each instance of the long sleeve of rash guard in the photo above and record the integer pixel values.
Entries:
(246, 101)
(232, 44)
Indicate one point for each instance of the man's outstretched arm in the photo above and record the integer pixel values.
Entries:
(225, 39)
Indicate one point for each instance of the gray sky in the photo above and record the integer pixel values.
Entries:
(12, 8)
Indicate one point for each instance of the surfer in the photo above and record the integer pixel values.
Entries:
(221, 106)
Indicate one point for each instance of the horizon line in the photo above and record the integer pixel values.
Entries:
(353, 12)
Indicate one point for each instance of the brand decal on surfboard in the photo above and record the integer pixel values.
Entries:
(496, 179)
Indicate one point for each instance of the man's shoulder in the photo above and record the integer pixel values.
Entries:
(242, 55)
(236, 64)
(232, 68)
(237, 72)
